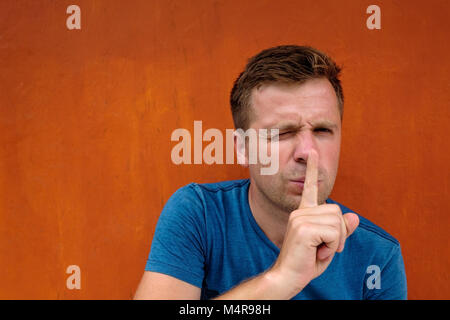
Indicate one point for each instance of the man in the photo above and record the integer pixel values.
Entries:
(276, 236)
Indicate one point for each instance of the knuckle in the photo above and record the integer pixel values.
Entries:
(294, 219)
(304, 226)
(295, 224)
(336, 208)
(336, 211)
(332, 208)
(336, 232)
(295, 214)
(337, 221)
(304, 229)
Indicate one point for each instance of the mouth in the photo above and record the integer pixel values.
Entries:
(301, 179)
(298, 184)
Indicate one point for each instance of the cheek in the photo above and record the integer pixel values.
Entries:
(330, 159)
(285, 152)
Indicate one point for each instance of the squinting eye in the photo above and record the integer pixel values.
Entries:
(285, 134)
(323, 130)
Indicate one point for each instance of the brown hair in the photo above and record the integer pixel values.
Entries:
(288, 64)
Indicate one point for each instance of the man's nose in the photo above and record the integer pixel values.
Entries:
(303, 145)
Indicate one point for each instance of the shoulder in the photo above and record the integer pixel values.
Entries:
(198, 188)
(220, 186)
(218, 191)
(200, 196)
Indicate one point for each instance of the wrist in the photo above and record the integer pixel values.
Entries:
(281, 285)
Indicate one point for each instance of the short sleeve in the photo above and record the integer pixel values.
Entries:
(392, 284)
(178, 245)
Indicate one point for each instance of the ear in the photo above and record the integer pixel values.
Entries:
(239, 146)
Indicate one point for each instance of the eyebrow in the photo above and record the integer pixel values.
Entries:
(284, 125)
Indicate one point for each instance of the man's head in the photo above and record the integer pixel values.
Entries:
(294, 89)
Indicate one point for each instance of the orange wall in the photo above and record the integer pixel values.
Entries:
(86, 117)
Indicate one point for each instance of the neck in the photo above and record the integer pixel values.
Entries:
(270, 218)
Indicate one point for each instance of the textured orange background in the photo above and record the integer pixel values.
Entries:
(86, 117)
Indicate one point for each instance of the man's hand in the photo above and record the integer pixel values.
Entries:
(314, 233)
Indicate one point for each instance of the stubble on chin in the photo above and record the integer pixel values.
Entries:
(282, 198)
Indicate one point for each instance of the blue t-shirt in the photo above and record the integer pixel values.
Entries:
(207, 236)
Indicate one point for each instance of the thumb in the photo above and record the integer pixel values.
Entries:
(351, 222)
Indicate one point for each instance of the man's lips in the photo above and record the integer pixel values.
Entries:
(299, 183)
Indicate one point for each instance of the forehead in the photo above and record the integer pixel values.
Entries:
(310, 101)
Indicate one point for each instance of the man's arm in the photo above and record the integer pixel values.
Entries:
(174, 268)
(158, 286)
(265, 286)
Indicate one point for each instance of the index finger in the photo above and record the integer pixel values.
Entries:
(309, 195)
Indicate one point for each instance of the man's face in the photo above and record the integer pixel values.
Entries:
(307, 117)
